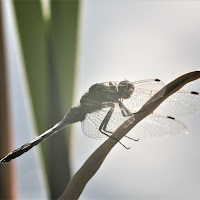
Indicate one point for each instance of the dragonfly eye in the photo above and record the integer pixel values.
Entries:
(125, 89)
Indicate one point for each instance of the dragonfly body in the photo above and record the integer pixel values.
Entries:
(113, 92)
(98, 97)
(107, 105)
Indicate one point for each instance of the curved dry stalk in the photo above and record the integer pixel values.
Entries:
(90, 167)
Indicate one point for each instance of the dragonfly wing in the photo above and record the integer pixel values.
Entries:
(91, 123)
(180, 103)
(143, 91)
(152, 126)
(149, 84)
(157, 125)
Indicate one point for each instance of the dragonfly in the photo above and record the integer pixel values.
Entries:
(107, 105)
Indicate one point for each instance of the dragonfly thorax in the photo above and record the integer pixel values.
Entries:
(125, 89)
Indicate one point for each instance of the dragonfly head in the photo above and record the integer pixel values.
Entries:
(125, 89)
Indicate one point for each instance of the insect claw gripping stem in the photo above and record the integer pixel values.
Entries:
(126, 147)
(102, 127)
(136, 140)
(115, 140)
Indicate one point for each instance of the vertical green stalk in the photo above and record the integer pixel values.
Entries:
(62, 40)
(49, 50)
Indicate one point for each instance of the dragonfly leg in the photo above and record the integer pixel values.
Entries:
(104, 124)
(131, 138)
(105, 121)
(102, 127)
(125, 112)
(115, 140)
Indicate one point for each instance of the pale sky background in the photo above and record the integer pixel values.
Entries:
(138, 40)
(134, 40)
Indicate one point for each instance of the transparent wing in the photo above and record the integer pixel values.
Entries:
(91, 123)
(143, 91)
(157, 125)
(180, 103)
(149, 84)
(151, 126)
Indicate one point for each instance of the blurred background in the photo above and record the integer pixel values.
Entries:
(52, 52)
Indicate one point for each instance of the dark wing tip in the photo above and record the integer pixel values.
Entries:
(171, 117)
(193, 92)
(158, 80)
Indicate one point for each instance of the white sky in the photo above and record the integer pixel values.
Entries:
(138, 40)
